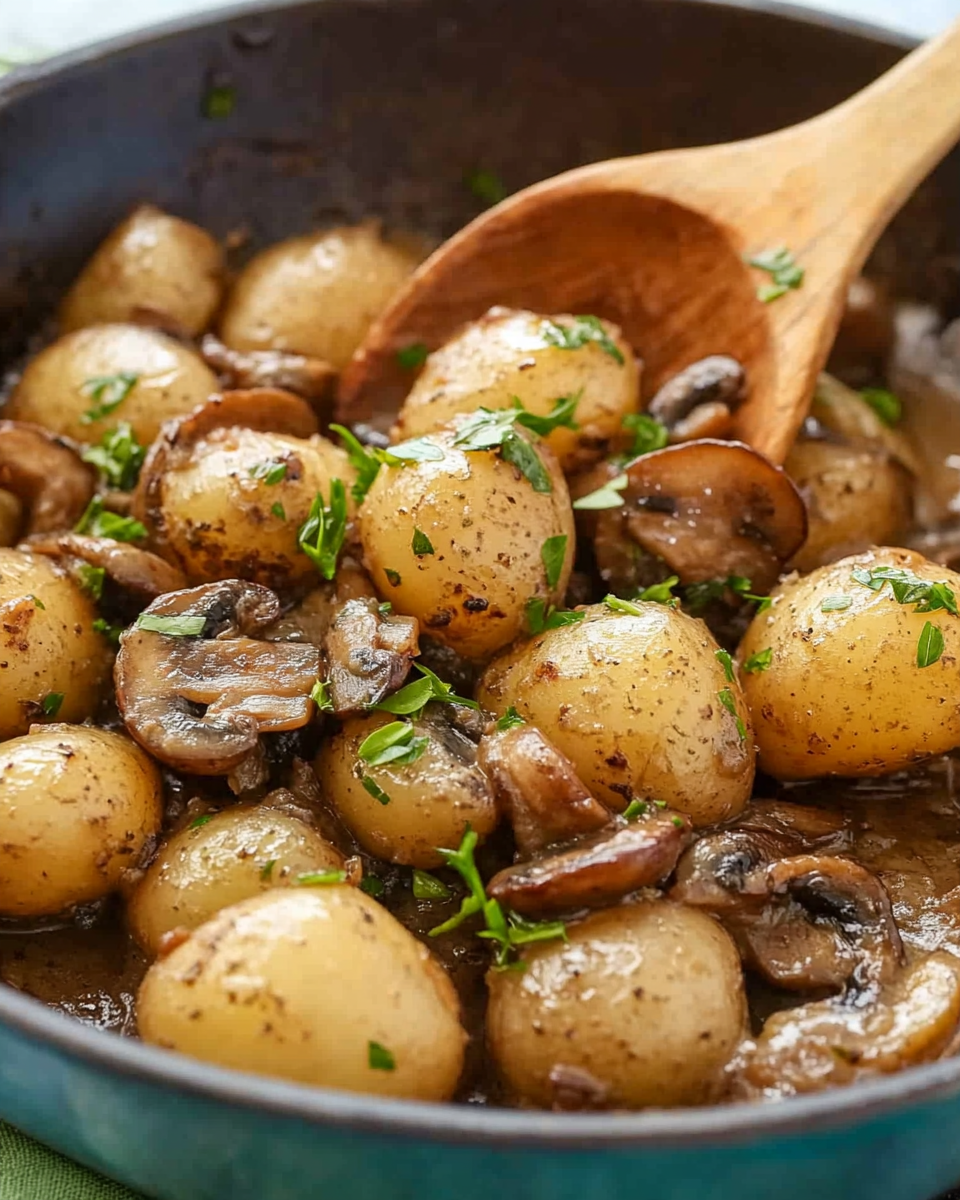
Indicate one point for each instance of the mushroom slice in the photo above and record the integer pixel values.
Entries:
(539, 789)
(311, 378)
(131, 568)
(596, 871)
(199, 703)
(834, 1042)
(701, 397)
(368, 654)
(46, 473)
(706, 510)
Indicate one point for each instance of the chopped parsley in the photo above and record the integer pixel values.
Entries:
(367, 460)
(725, 696)
(926, 595)
(698, 595)
(649, 434)
(636, 808)
(372, 885)
(414, 697)
(174, 626)
(492, 429)
(278, 510)
(320, 695)
(219, 101)
(380, 1058)
(837, 603)
(50, 704)
(930, 645)
(393, 743)
(606, 496)
(91, 580)
(552, 553)
(662, 592)
(508, 929)
(486, 186)
(429, 887)
(510, 720)
(385, 609)
(785, 274)
(375, 790)
(118, 457)
(725, 661)
(885, 404)
(110, 632)
(583, 330)
(37, 602)
(266, 871)
(271, 472)
(99, 522)
(319, 878)
(541, 617)
(108, 392)
(393, 577)
(421, 543)
(199, 822)
(615, 604)
(321, 536)
(760, 660)
(413, 356)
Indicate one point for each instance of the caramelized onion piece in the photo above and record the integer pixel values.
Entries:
(539, 790)
(311, 378)
(131, 568)
(46, 473)
(368, 654)
(596, 871)
(199, 704)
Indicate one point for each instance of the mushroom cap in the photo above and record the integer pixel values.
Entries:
(47, 473)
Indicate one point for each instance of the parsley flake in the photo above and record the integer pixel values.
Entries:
(118, 457)
(429, 887)
(319, 878)
(380, 1058)
(924, 594)
(393, 743)
(698, 595)
(836, 603)
(99, 522)
(271, 472)
(108, 392)
(174, 626)
(541, 617)
(320, 695)
(413, 356)
(662, 593)
(266, 871)
(375, 790)
(494, 429)
(784, 273)
(278, 510)
(486, 186)
(725, 696)
(552, 553)
(219, 102)
(759, 661)
(583, 330)
(91, 580)
(725, 661)
(510, 720)
(321, 536)
(110, 632)
(37, 602)
(606, 496)
(930, 645)
(393, 577)
(199, 822)
(649, 434)
(421, 543)
(414, 697)
(636, 808)
(372, 885)
(50, 704)
(885, 404)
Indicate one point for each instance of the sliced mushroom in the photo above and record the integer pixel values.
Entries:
(200, 703)
(596, 871)
(830, 1043)
(308, 377)
(46, 473)
(704, 510)
(11, 518)
(131, 568)
(700, 400)
(368, 654)
(538, 788)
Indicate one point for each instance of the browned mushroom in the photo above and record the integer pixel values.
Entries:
(595, 871)
(703, 510)
(198, 701)
(46, 473)
(308, 377)
(829, 1043)
(700, 400)
(539, 790)
(133, 569)
(368, 654)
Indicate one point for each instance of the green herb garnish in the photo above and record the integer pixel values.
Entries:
(414, 697)
(698, 595)
(421, 543)
(175, 626)
(266, 871)
(393, 577)
(99, 522)
(271, 472)
(278, 510)
(486, 186)
(393, 743)
(321, 536)
(118, 457)
(372, 885)
(110, 632)
(926, 595)
(607, 496)
(836, 603)
(662, 593)
(510, 720)
(319, 878)
(428, 887)
(759, 661)
(725, 661)
(37, 602)
(583, 330)
(494, 429)
(636, 808)
(649, 434)
(725, 696)
(320, 695)
(885, 404)
(219, 101)
(50, 704)
(615, 604)
(91, 580)
(375, 790)
(782, 269)
(930, 645)
(380, 1058)
(108, 392)
(199, 822)
(541, 617)
(413, 356)
(552, 553)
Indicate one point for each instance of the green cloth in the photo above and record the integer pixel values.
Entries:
(29, 1171)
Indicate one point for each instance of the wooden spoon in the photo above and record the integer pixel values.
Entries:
(657, 243)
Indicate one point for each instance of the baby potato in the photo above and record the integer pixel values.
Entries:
(508, 354)
(315, 295)
(316, 984)
(647, 999)
(635, 703)
(77, 805)
(155, 377)
(204, 868)
(48, 646)
(857, 496)
(486, 529)
(430, 802)
(222, 519)
(844, 694)
(153, 269)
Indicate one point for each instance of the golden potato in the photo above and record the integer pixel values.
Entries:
(505, 355)
(153, 269)
(222, 518)
(153, 376)
(844, 694)
(647, 998)
(317, 984)
(316, 294)
(635, 703)
(76, 806)
(48, 646)
(856, 495)
(206, 867)
(486, 527)
(430, 801)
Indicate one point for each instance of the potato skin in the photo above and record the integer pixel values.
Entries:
(856, 497)
(48, 649)
(76, 807)
(505, 355)
(316, 294)
(432, 800)
(487, 527)
(201, 870)
(152, 269)
(216, 518)
(843, 694)
(633, 703)
(648, 998)
(297, 983)
(54, 389)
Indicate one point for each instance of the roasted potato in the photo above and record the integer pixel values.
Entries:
(508, 355)
(76, 806)
(52, 660)
(635, 703)
(481, 530)
(317, 984)
(845, 693)
(315, 295)
(121, 372)
(153, 269)
(217, 861)
(643, 1005)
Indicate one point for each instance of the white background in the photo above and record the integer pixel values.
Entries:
(39, 27)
